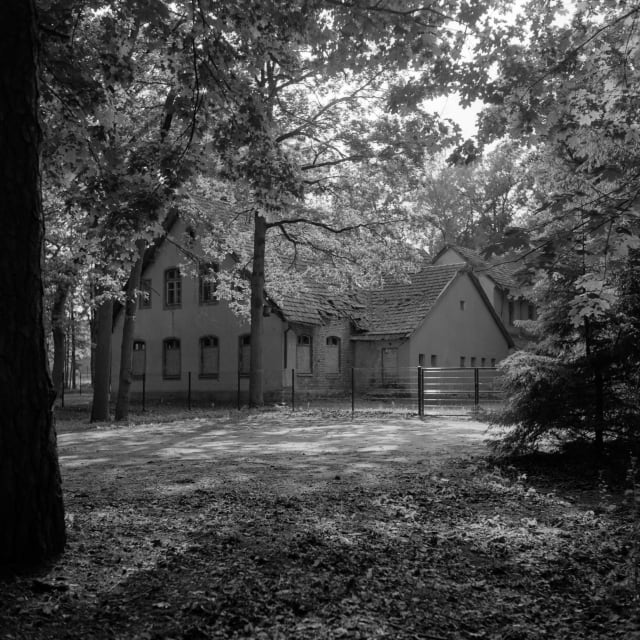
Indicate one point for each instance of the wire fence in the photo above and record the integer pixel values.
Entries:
(422, 391)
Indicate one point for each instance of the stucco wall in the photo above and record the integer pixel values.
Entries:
(452, 330)
(189, 323)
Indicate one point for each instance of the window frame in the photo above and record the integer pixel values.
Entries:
(244, 340)
(300, 343)
(134, 375)
(165, 349)
(335, 344)
(213, 375)
(173, 285)
(204, 268)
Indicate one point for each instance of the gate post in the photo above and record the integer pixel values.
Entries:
(144, 391)
(353, 392)
(476, 388)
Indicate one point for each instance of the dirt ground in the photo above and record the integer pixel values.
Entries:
(310, 525)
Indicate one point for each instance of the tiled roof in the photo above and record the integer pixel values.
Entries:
(503, 274)
(316, 303)
(399, 308)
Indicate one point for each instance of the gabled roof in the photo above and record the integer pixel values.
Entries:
(502, 274)
(399, 308)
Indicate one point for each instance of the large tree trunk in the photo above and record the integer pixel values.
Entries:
(102, 362)
(128, 329)
(58, 332)
(256, 374)
(31, 507)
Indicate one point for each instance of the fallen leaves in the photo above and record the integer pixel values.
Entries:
(441, 549)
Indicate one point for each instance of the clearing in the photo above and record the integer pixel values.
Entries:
(312, 525)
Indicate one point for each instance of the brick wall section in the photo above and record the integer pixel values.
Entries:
(319, 381)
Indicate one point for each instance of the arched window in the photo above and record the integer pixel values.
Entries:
(209, 357)
(171, 359)
(244, 355)
(138, 358)
(172, 287)
(303, 354)
(332, 360)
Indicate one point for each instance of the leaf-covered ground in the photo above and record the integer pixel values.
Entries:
(313, 542)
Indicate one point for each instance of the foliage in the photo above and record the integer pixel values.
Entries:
(553, 392)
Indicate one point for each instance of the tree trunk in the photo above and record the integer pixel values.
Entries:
(256, 374)
(128, 329)
(599, 410)
(58, 332)
(31, 506)
(102, 362)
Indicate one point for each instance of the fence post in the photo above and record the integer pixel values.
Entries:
(353, 391)
(293, 389)
(144, 390)
(239, 389)
(189, 392)
(476, 388)
(420, 392)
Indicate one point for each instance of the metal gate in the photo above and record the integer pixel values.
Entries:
(458, 387)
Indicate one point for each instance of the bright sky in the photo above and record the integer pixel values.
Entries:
(449, 107)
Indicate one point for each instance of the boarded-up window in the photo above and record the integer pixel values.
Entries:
(138, 359)
(390, 364)
(303, 354)
(172, 288)
(333, 355)
(209, 357)
(244, 363)
(171, 358)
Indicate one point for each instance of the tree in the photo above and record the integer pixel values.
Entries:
(285, 89)
(31, 506)
(570, 88)
(109, 108)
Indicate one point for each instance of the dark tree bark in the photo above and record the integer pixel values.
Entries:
(58, 332)
(31, 506)
(102, 362)
(256, 375)
(128, 330)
